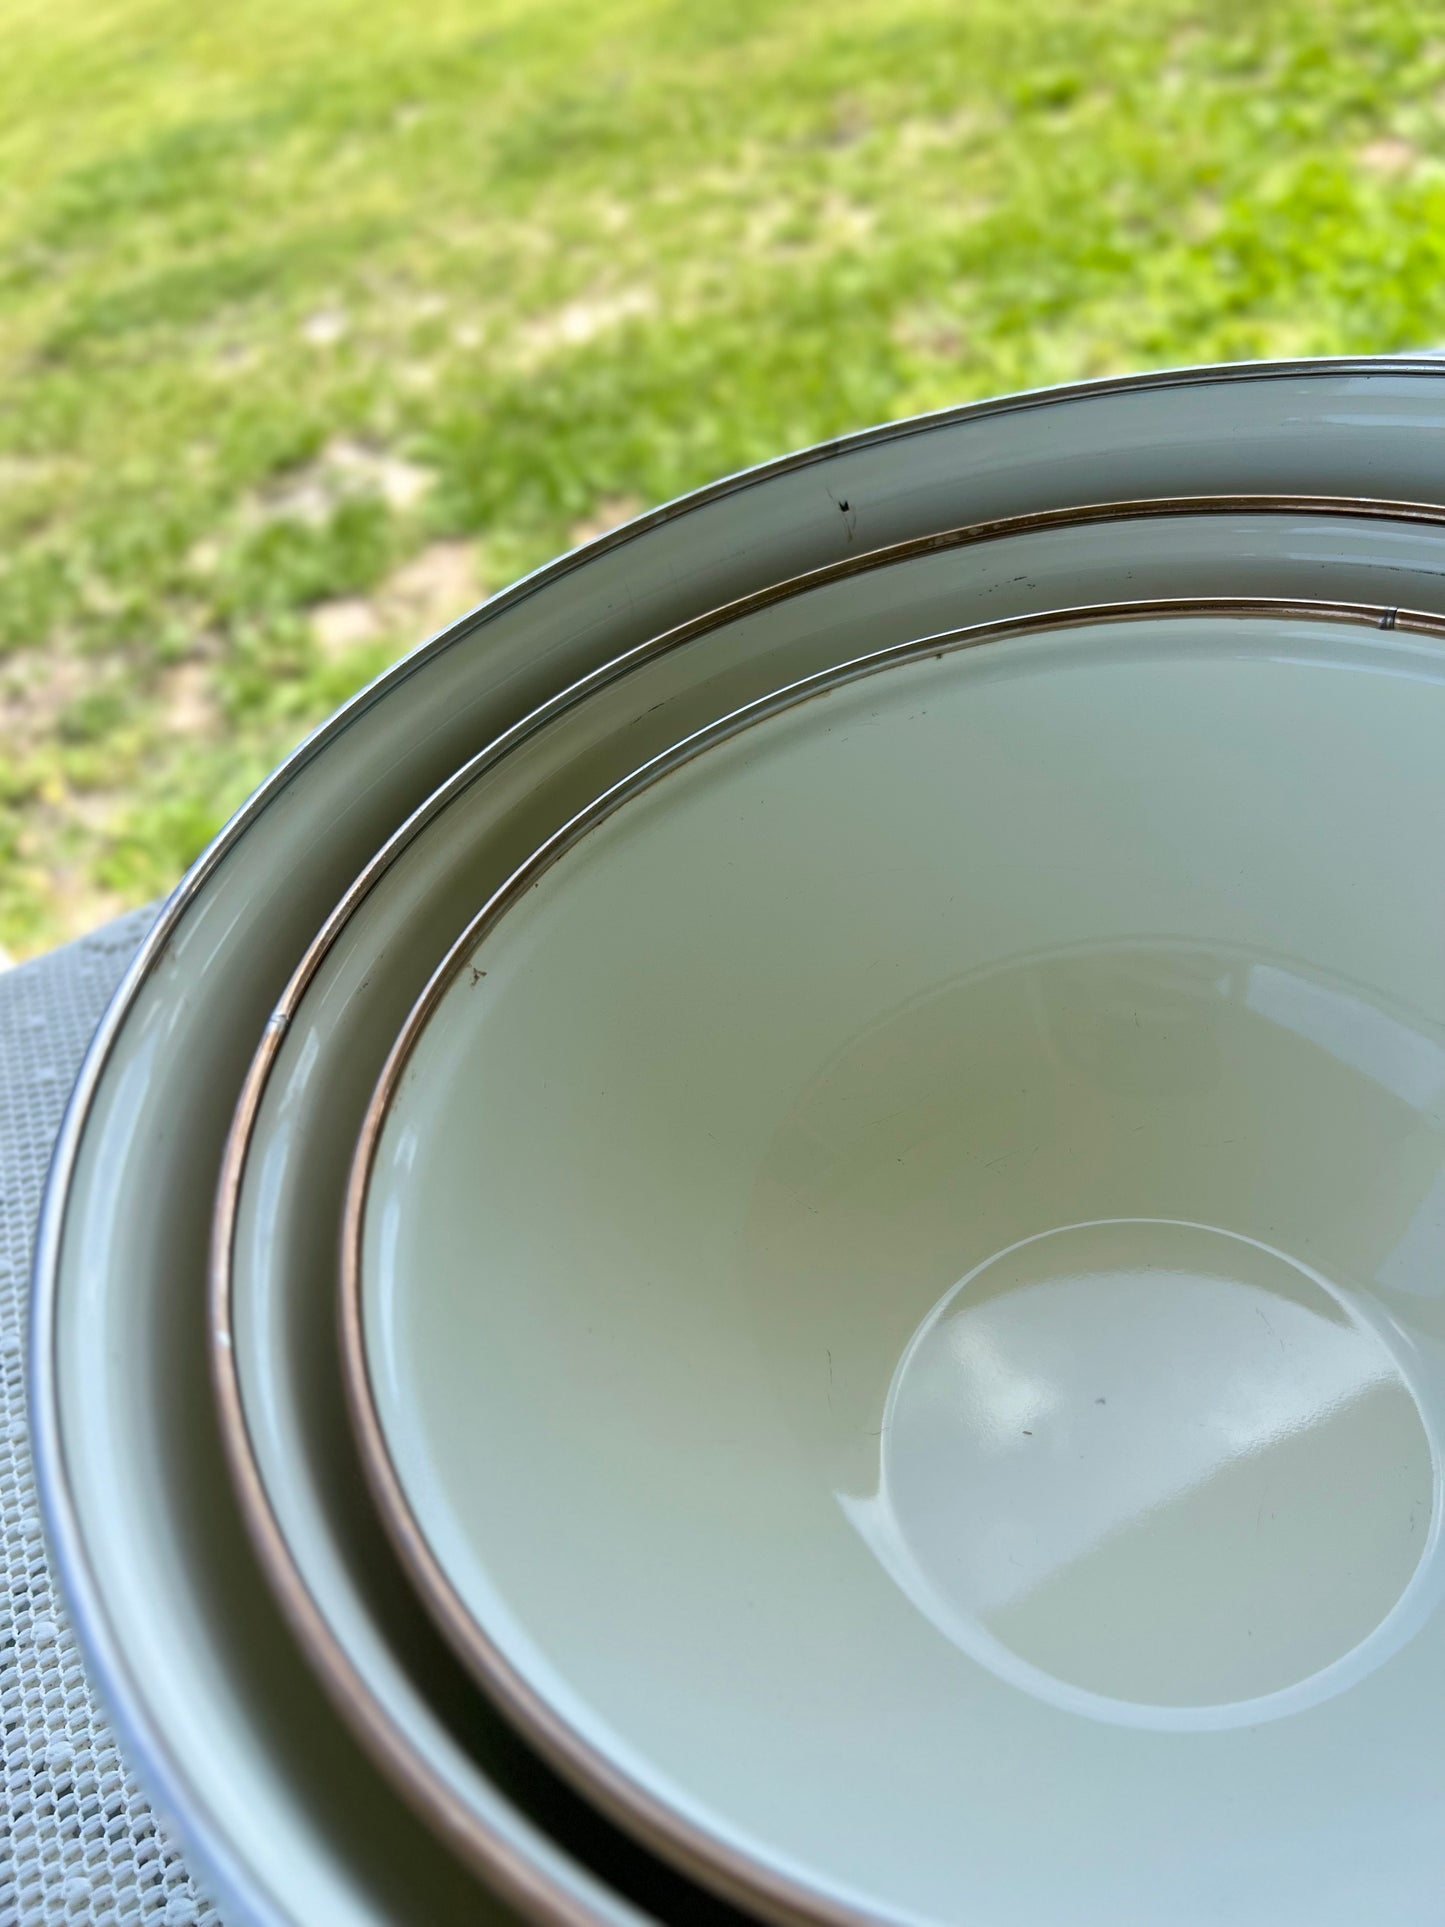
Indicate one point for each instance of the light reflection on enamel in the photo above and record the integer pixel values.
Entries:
(1387, 1051)
(1200, 1077)
(1075, 1443)
(1417, 1263)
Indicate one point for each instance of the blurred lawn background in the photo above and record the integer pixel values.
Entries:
(320, 319)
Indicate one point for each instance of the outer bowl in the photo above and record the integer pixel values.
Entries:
(900, 1262)
(278, 1811)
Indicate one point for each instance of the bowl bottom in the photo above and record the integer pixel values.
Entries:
(1158, 1472)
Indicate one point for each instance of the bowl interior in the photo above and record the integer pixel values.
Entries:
(275, 1337)
(908, 1265)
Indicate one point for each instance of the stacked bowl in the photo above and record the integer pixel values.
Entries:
(768, 1240)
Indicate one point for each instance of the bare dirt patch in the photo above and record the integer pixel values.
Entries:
(325, 328)
(610, 513)
(187, 703)
(414, 601)
(37, 686)
(581, 321)
(1388, 157)
(344, 467)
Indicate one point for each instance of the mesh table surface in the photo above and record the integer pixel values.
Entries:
(78, 1842)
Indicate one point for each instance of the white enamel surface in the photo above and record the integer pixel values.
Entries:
(289, 1203)
(218, 1715)
(1225, 1536)
(1104, 973)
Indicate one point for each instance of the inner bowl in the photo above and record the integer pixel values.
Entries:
(902, 1285)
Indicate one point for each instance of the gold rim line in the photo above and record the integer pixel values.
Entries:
(65, 1535)
(702, 1852)
(388, 1742)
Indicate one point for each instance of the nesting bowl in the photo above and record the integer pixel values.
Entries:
(327, 1760)
(894, 1277)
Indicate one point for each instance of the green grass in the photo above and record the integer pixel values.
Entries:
(293, 294)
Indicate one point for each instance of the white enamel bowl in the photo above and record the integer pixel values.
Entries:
(274, 1346)
(896, 1283)
(277, 1807)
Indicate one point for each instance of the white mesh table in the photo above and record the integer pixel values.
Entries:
(78, 1842)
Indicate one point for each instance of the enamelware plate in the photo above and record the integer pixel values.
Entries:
(894, 1280)
(280, 1202)
(277, 1807)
